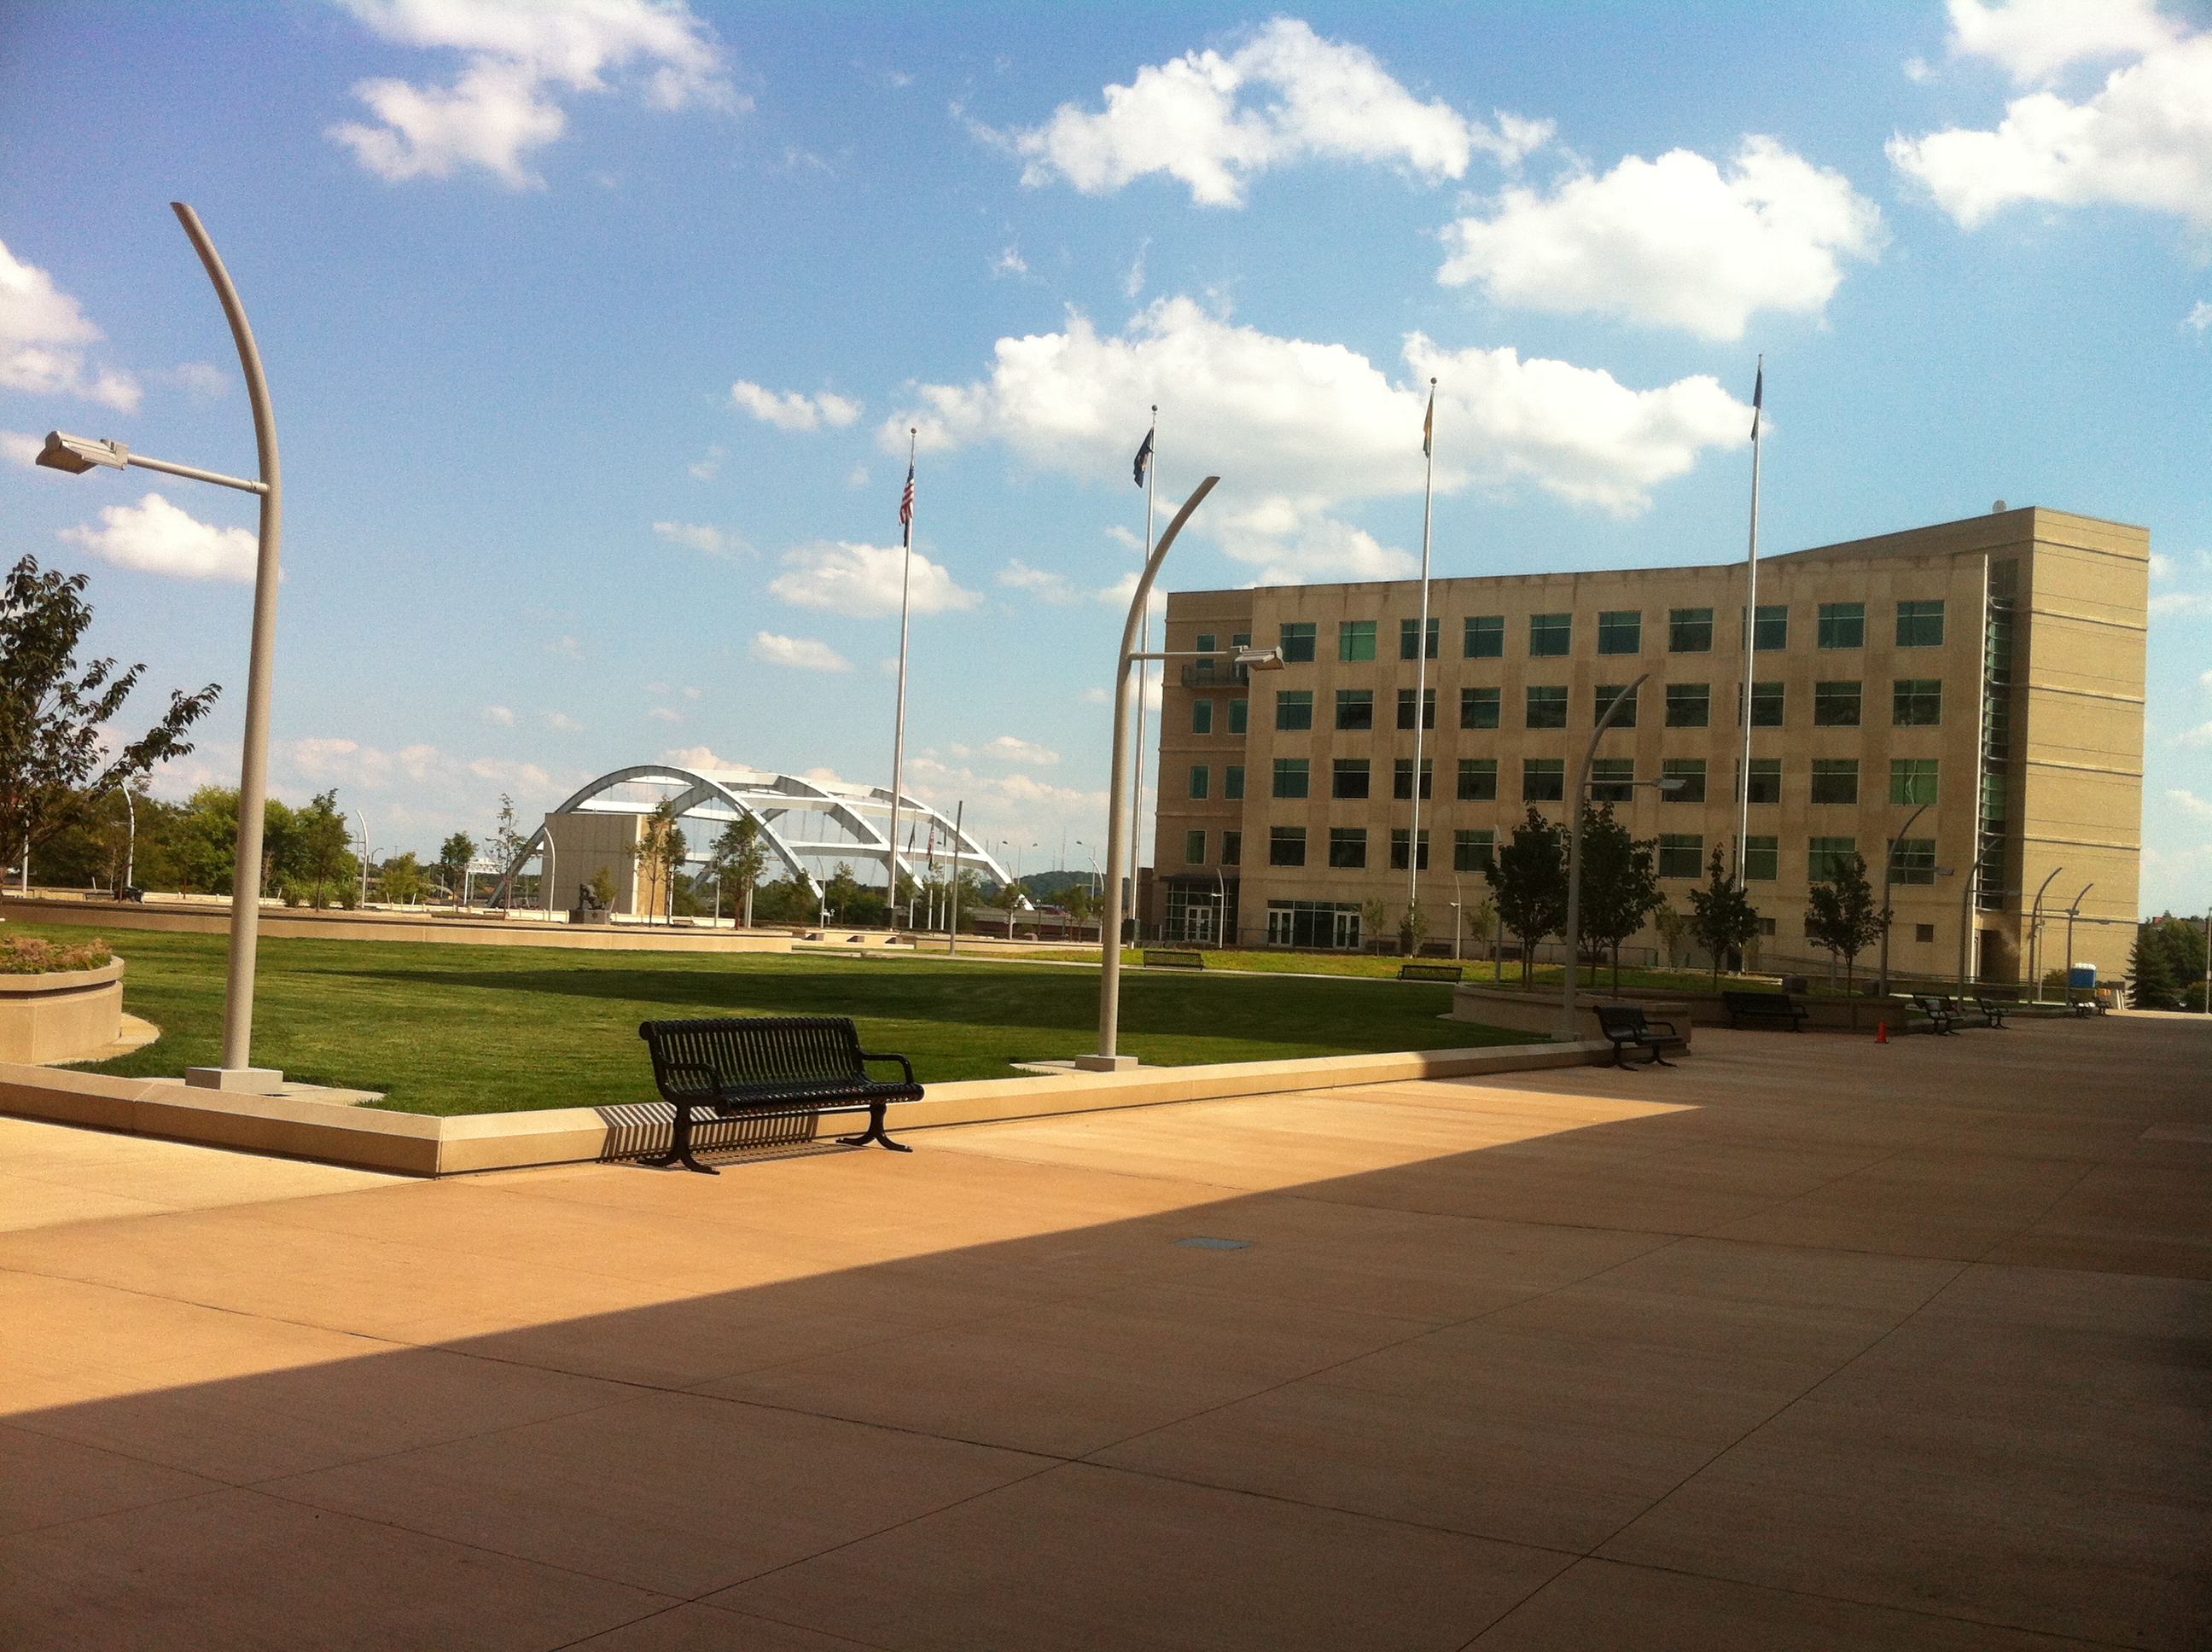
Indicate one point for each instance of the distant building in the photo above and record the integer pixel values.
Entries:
(1992, 668)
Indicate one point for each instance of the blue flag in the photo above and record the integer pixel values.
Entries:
(1758, 399)
(1144, 458)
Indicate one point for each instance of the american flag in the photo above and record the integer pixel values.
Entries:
(906, 502)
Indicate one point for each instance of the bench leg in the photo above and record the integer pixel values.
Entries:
(679, 1148)
(874, 1132)
(1657, 1060)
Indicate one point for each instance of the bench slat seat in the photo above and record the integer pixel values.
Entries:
(1627, 1025)
(1452, 972)
(1778, 1007)
(738, 1066)
(1161, 958)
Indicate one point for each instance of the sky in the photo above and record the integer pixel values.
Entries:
(595, 333)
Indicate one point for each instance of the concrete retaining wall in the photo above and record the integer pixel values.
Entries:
(61, 1016)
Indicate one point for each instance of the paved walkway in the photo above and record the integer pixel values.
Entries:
(1812, 1344)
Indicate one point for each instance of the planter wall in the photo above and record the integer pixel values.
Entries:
(1539, 1012)
(64, 1015)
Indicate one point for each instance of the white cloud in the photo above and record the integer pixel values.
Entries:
(790, 411)
(692, 694)
(202, 379)
(2182, 605)
(1917, 72)
(2200, 318)
(2190, 803)
(857, 477)
(1010, 263)
(1008, 749)
(2144, 139)
(515, 54)
(804, 652)
(2197, 739)
(700, 756)
(40, 328)
(862, 581)
(1016, 806)
(707, 468)
(665, 714)
(562, 723)
(499, 716)
(1094, 697)
(568, 647)
(702, 537)
(2205, 680)
(1300, 429)
(1211, 122)
(1133, 282)
(154, 537)
(1673, 242)
(20, 448)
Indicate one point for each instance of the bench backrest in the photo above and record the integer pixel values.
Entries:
(751, 1050)
(1752, 1003)
(1619, 1018)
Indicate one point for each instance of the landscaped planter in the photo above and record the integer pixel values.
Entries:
(1539, 1012)
(64, 1015)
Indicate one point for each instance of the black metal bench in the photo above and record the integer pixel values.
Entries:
(1992, 1013)
(756, 1065)
(1432, 972)
(1155, 959)
(1626, 1025)
(1943, 1018)
(1777, 1008)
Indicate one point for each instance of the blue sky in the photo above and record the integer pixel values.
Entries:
(594, 331)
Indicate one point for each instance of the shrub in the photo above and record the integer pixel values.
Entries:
(36, 957)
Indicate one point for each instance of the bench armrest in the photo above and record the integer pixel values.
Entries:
(905, 1066)
(1654, 1026)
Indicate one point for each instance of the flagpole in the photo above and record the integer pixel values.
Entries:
(1144, 672)
(898, 738)
(1750, 633)
(1421, 674)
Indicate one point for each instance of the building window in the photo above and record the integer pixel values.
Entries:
(1409, 638)
(1401, 779)
(1478, 708)
(1912, 860)
(1400, 840)
(1298, 648)
(1550, 635)
(1233, 781)
(1355, 708)
(1620, 632)
(1242, 640)
(1543, 779)
(1762, 861)
(1835, 705)
(1313, 923)
(1406, 708)
(1349, 779)
(1689, 705)
(1916, 701)
(1607, 694)
(1912, 780)
(1485, 638)
(1547, 708)
(1201, 778)
(1232, 848)
(1770, 632)
(1478, 780)
(1193, 848)
(1835, 779)
(1473, 851)
(1291, 776)
(1842, 625)
(1923, 932)
(1765, 780)
(1689, 630)
(1766, 705)
(1294, 709)
(1286, 845)
(1205, 643)
(1347, 845)
(1355, 641)
(1239, 713)
(1201, 717)
(1691, 771)
(1681, 854)
(1920, 624)
(1825, 857)
(1612, 779)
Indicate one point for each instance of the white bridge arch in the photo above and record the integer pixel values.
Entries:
(805, 824)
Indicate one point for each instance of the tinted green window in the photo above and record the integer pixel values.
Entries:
(1286, 845)
(1205, 643)
(1406, 708)
(1913, 860)
(1478, 708)
(1242, 640)
(1766, 705)
(1478, 780)
(1473, 851)
(1400, 840)
(1232, 848)
(1348, 779)
(1291, 777)
(1201, 717)
(1920, 625)
(1543, 779)
(1916, 701)
(1202, 780)
(1766, 779)
(1689, 705)
(1762, 860)
(1691, 771)
(1355, 641)
(1239, 711)
(1547, 708)
(1835, 779)
(1485, 638)
(1826, 856)
(1401, 779)
(1193, 848)
(1612, 779)
(1681, 854)
(1842, 625)
(1607, 694)
(1835, 705)
(1409, 635)
(1771, 630)
(1551, 635)
(1294, 709)
(1355, 708)
(1233, 781)
(1912, 780)
(1689, 630)
(1298, 644)
(1347, 845)
(1620, 632)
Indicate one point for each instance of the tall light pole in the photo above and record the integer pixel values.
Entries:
(1888, 867)
(2074, 911)
(78, 455)
(2035, 940)
(1566, 1032)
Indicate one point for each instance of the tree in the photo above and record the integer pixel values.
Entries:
(661, 851)
(507, 841)
(401, 877)
(1619, 884)
(1722, 916)
(325, 863)
(454, 855)
(1841, 915)
(1528, 880)
(1674, 929)
(55, 714)
(603, 887)
(738, 858)
(1413, 929)
(2154, 983)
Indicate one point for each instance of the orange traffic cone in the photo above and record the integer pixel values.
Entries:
(1881, 1032)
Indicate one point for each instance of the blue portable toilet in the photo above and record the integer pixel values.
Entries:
(2082, 978)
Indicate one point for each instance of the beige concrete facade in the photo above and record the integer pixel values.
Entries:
(64, 1015)
(2030, 622)
(585, 845)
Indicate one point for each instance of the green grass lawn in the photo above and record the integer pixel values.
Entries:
(1367, 966)
(449, 1029)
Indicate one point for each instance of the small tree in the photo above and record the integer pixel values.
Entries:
(1528, 879)
(603, 887)
(1722, 916)
(1674, 929)
(737, 859)
(454, 858)
(326, 865)
(401, 877)
(1373, 917)
(1621, 884)
(1413, 930)
(1841, 915)
(507, 841)
(661, 851)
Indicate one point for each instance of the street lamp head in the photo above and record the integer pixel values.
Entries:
(77, 454)
(1671, 783)
(1261, 659)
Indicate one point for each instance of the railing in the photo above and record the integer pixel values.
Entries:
(1212, 674)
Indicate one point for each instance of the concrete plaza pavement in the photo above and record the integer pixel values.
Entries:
(1811, 1343)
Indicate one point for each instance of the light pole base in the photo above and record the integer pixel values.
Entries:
(248, 1081)
(1105, 1064)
